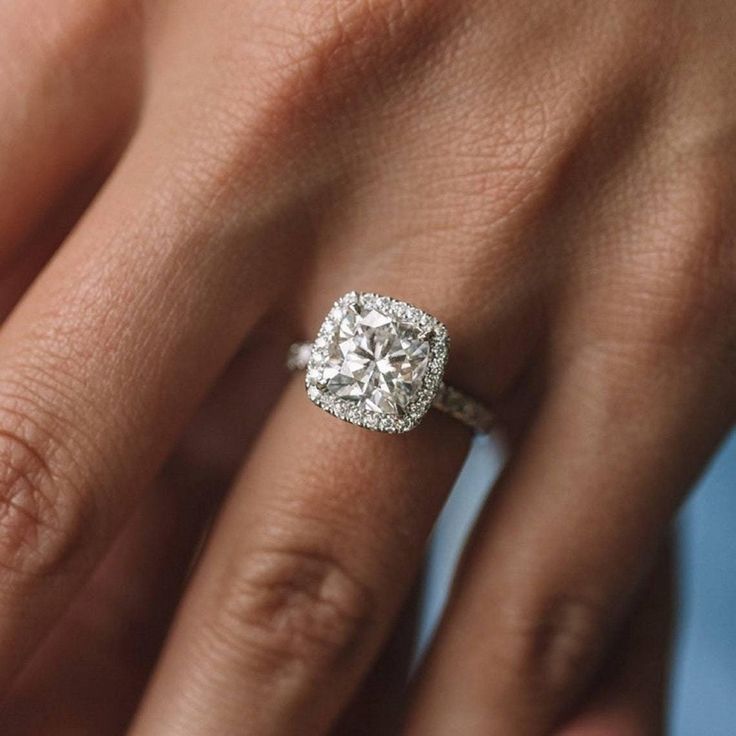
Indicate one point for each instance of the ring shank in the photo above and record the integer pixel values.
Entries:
(450, 400)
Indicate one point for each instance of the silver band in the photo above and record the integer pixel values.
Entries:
(448, 399)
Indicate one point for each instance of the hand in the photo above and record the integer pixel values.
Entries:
(555, 181)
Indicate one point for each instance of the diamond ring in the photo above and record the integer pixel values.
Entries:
(379, 363)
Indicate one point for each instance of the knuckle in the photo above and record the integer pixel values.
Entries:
(39, 517)
(314, 60)
(688, 285)
(553, 645)
(295, 609)
(332, 33)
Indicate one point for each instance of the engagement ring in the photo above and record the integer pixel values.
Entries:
(379, 363)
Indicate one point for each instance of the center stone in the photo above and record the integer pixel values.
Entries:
(375, 360)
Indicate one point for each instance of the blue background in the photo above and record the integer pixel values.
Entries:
(703, 699)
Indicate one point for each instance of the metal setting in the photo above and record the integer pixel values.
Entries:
(378, 362)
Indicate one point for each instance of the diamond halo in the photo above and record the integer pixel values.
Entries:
(377, 362)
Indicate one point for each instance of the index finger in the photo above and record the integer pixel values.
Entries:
(101, 365)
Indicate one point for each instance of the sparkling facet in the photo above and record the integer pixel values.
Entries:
(375, 360)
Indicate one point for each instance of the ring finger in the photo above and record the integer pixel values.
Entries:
(306, 569)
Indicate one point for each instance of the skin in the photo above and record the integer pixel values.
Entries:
(186, 187)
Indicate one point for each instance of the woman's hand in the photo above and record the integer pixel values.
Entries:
(554, 180)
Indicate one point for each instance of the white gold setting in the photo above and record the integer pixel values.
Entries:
(378, 362)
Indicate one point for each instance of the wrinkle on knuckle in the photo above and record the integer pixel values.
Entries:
(49, 389)
(295, 609)
(40, 518)
(333, 34)
(555, 645)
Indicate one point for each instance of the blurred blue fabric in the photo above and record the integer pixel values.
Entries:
(703, 701)
(704, 687)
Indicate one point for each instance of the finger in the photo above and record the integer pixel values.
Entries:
(307, 567)
(569, 533)
(629, 697)
(380, 700)
(19, 272)
(69, 79)
(107, 357)
(89, 673)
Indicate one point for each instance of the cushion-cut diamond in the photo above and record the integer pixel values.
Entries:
(375, 360)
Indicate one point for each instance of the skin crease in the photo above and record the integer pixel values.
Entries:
(554, 180)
